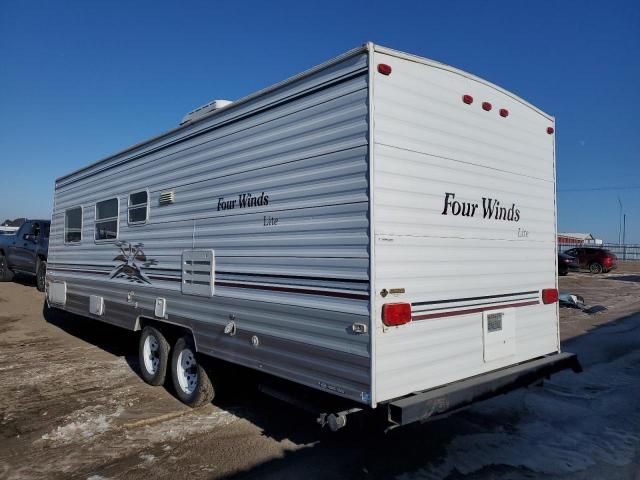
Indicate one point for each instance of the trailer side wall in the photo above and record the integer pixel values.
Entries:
(291, 265)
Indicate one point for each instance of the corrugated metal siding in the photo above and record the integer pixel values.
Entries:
(428, 142)
(300, 284)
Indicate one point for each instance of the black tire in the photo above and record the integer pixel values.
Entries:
(595, 267)
(6, 275)
(190, 380)
(153, 355)
(41, 275)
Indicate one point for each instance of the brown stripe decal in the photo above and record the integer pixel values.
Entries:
(306, 291)
(76, 270)
(472, 310)
(168, 279)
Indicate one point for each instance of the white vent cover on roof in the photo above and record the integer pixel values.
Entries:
(204, 110)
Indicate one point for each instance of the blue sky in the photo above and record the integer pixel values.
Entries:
(81, 80)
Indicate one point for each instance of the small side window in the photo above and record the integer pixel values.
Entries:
(73, 225)
(27, 228)
(138, 209)
(107, 220)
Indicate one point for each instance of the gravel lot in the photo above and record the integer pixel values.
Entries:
(73, 406)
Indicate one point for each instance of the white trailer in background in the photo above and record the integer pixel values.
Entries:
(380, 227)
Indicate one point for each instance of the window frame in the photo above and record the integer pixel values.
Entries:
(129, 207)
(64, 229)
(24, 230)
(35, 224)
(96, 221)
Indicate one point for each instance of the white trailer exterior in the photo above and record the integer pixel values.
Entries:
(374, 184)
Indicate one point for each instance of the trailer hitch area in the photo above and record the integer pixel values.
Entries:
(336, 421)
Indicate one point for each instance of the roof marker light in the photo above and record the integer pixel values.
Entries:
(468, 99)
(486, 106)
(504, 112)
(384, 69)
(550, 130)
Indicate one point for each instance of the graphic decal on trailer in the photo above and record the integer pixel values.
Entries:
(129, 268)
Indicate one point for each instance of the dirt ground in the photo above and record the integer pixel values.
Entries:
(73, 406)
(618, 291)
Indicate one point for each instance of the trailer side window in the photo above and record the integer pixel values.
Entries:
(73, 225)
(138, 210)
(107, 220)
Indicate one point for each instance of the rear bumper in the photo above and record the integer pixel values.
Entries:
(423, 405)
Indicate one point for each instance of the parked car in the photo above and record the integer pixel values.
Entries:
(566, 263)
(26, 252)
(594, 259)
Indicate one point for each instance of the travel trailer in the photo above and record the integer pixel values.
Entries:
(380, 228)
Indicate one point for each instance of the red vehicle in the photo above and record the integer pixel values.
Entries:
(596, 260)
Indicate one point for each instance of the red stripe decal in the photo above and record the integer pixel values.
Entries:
(357, 296)
(168, 279)
(306, 291)
(472, 310)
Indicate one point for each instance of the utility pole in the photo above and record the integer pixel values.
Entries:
(619, 220)
(624, 234)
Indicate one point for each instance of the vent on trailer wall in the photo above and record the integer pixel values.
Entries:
(167, 198)
(198, 267)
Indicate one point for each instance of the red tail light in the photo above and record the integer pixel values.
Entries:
(384, 69)
(504, 112)
(486, 106)
(549, 295)
(396, 314)
(468, 99)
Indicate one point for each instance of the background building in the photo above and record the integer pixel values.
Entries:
(573, 239)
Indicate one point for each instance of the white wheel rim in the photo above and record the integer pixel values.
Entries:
(187, 371)
(151, 354)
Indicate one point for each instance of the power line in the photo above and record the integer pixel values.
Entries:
(591, 189)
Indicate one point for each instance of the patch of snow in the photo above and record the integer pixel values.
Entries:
(182, 427)
(147, 457)
(83, 424)
(571, 424)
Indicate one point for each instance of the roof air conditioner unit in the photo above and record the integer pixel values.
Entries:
(204, 110)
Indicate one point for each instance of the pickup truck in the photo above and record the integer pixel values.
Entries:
(26, 252)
